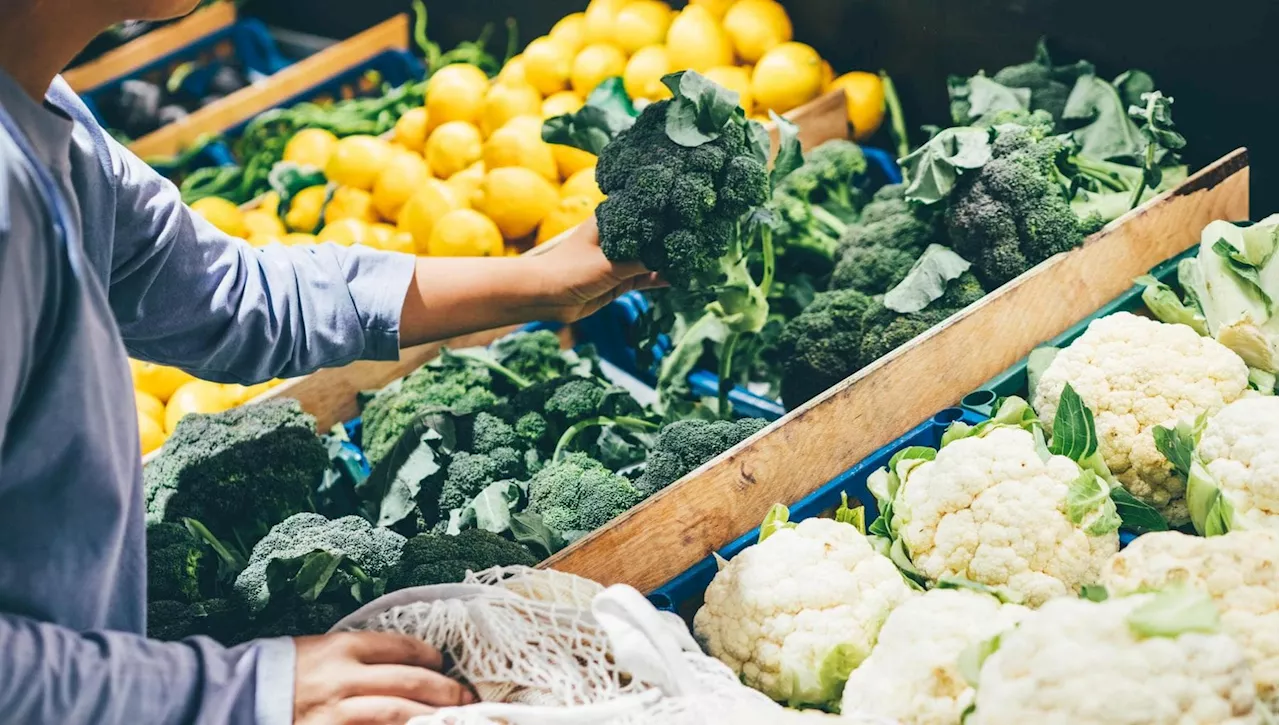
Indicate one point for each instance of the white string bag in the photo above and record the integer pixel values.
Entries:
(546, 648)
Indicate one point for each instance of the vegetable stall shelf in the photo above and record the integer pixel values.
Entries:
(707, 510)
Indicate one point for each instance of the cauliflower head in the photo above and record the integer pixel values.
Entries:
(989, 509)
(1114, 663)
(1238, 570)
(912, 675)
(1238, 448)
(795, 613)
(1135, 373)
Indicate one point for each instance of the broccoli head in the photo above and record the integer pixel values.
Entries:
(684, 445)
(822, 345)
(871, 270)
(469, 473)
(442, 559)
(876, 253)
(829, 178)
(299, 619)
(533, 356)
(239, 472)
(578, 494)
(225, 620)
(174, 559)
(488, 432)
(884, 330)
(533, 430)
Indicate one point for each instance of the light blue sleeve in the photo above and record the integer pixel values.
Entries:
(186, 294)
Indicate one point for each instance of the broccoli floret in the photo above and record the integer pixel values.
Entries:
(533, 430)
(469, 473)
(441, 559)
(684, 445)
(578, 494)
(222, 619)
(576, 399)
(822, 345)
(239, 472)
(533, 356)
(371, 549)
(884, 330)
(876, 253)
(490, 432)
(299, 619)
(871, 270)
(829, 178)
(174, 558)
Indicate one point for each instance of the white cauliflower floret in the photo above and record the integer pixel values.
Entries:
(1238, 570)
(1075, 661)
(911, 675)
(989, 510)
(1135, 373)
(1239, 448)
(777, 611)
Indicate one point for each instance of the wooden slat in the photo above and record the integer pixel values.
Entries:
(142, 51)
(820, 120)
(271, 92)
(678, 527)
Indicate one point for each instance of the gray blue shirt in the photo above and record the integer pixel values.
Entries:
(137, 274)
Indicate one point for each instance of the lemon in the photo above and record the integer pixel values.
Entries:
(641, 23)
(264, 240)
(424, 208)
(345, 232)
(349, 202)
(547, 64)
(465, 233)
(241, 394)
(736, 79)
(569, 213)
(197, 396)
(643, 75)
(570, 31)
(310, 147)
(467, 182)
(269, 203)
(560, 103)
(789, 75)
(513, 71)
(221, 213)
(304, 210)
(519, 143)
(148, 405)
(261, 222)
(411, 130)
(504, 102)
(828, 75)
(570, 161)
(455, 93)
(717, 8)
(582, 183)
(595, 63)
(864, 98)
(599, 19)
(397, 182)
(516, 199)
(158, 380)
(357, 160)
(756, 26)
(391, 239)
(150, 433)
(296, 238)
(695, 41)
(453, 147)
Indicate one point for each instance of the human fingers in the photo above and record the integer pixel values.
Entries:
(380, 648)
(377, 710)
(409, 683)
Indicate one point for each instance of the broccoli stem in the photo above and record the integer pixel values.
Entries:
(725, 372)
(516, 379)
(897, 122)
(1108, 174)
(770, 259)
(829, 220)
(1149, 162)
(625, 421)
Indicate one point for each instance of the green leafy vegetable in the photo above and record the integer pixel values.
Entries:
(776, 519)
(1173, 613)
(927, 280)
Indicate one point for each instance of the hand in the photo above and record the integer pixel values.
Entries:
(579, 279)
(370, 678)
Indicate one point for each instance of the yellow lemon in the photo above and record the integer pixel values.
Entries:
(519, 143)
(304, 210)
(828, 75)
(695, 41)
(643, 75)
(756, 26)
(560, 103)
(223, 214)
(735, 78)
(513, 71)
(197, 396)
(453, 147)
(570, 161)
(296, 238)
(424, 208)
(547, 64)
(467, 182)
(465, 233)
(789, 75)
(641, 23)
(516, 199)
(593, 64)
(391, 239)
(504, 102)
(357, 160)
(569, 213)
(262, 222)
(310, 147)
(864, 98)
(599, 19)
(381, 233)
(150, 433)
(158, 380)
(570, 31)
(397, 182)
(241, 394)
(717, 8)
(582, 183)
(456, 93)
(349, 202)
(264, 240)
(269, 203)
(345, 232)
(411, 130)
(148, 405)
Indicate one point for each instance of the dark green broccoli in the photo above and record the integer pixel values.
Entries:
(469, 473)
(822, 345)
(299, 619)
(1048, 88)
(533, 356)
(876, 253)
(884, 330)
(489, 432)
(225, 620)
(372, 550)
(533, 430)
(684, 445)
(813, 206)
(239, 472)
(577, 494)
(174, 559)
(441, 559)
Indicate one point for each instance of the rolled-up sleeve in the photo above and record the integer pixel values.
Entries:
(186, 294)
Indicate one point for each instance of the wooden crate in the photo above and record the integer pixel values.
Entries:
(681, 525)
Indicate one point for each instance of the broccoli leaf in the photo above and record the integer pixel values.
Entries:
(1106, 131)
(927, 279)
(789, 157)
(490, 510)
(529, 529)
(987, 96)
(1136, 515)
(700, 108)
(1074, 434)
(932, 170)
(758, 141)
(305, 577)
(397, 480)
(607, 112)
(1175, 612)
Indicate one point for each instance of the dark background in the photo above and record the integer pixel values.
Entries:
(1219, 60)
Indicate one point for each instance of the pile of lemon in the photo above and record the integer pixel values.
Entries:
(165, 394)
